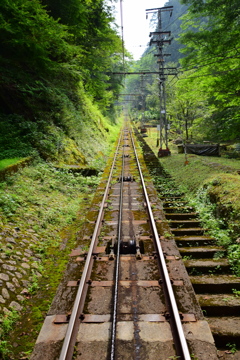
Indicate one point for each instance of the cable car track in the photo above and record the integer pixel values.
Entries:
(128, 230)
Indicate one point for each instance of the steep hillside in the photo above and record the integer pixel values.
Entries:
(56, 100)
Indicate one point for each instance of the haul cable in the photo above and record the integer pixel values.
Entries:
(119, 234)
(69, 340)
(175, 319)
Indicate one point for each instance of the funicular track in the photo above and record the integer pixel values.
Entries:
(129, 295)
(206, 263)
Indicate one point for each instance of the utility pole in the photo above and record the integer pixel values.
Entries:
(160, 38)
(143, 129)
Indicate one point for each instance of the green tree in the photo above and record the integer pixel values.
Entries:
(187, 108)
(89, 23)
(212, 50)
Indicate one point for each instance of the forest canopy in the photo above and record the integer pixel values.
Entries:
(211, 35)
(56, 57)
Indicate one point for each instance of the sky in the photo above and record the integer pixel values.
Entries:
(136, 27)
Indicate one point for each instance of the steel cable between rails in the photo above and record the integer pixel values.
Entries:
(117, 268)
(65, 351)
(182, 340)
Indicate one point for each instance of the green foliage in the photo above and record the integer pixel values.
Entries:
(232, 348)
(234, 258)
(36, 188)
(187, 108)
(29, 35)
(203, 103)
(211, 50)
(14, 140)
(8, 319)
(7, 162)
(213, 191)
(9, 204)
(56, 63)
(34, 283)
(236, 292)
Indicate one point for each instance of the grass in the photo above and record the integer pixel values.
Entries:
(52, 203)
(8, 319)
(6, 162)
(212, 186)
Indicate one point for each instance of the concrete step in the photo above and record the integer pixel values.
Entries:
(215, 284)
(179, 224)
(180, 216)
(207, 266)
(188, 231)
(219, 304)
(183, 240)
(177, 209)
(225, 330)
(200, 252)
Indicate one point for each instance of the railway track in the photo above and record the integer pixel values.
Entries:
(126, 293)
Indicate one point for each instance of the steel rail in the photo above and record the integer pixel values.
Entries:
(66, 352)
(185, 355)
(116, 285)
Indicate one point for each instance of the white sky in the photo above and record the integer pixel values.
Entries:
(136, 27)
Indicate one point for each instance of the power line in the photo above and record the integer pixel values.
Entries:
(123, 50)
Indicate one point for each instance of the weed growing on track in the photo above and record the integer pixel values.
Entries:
(232, 348)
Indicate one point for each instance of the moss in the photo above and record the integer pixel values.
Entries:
(10, 166)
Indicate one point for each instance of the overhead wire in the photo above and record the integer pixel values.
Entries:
(123, 50)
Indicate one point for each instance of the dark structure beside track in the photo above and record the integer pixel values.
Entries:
(200, 149)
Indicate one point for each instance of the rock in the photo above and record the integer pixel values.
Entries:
(10, 273)
(25, 283)
(35, 265)
(12, 262)
(9, 267)
(5, 293)
(2, 300)
(22, 271)
(25, 241)
(27, 255)
(16, 306)
(10, 286)
(15, 281)
(25, 292)
(6, 311)
(18, 274)
(18, 258)
(25, 265)
(20, 298)
(10, 240)
(4, 277)
(29, 251)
